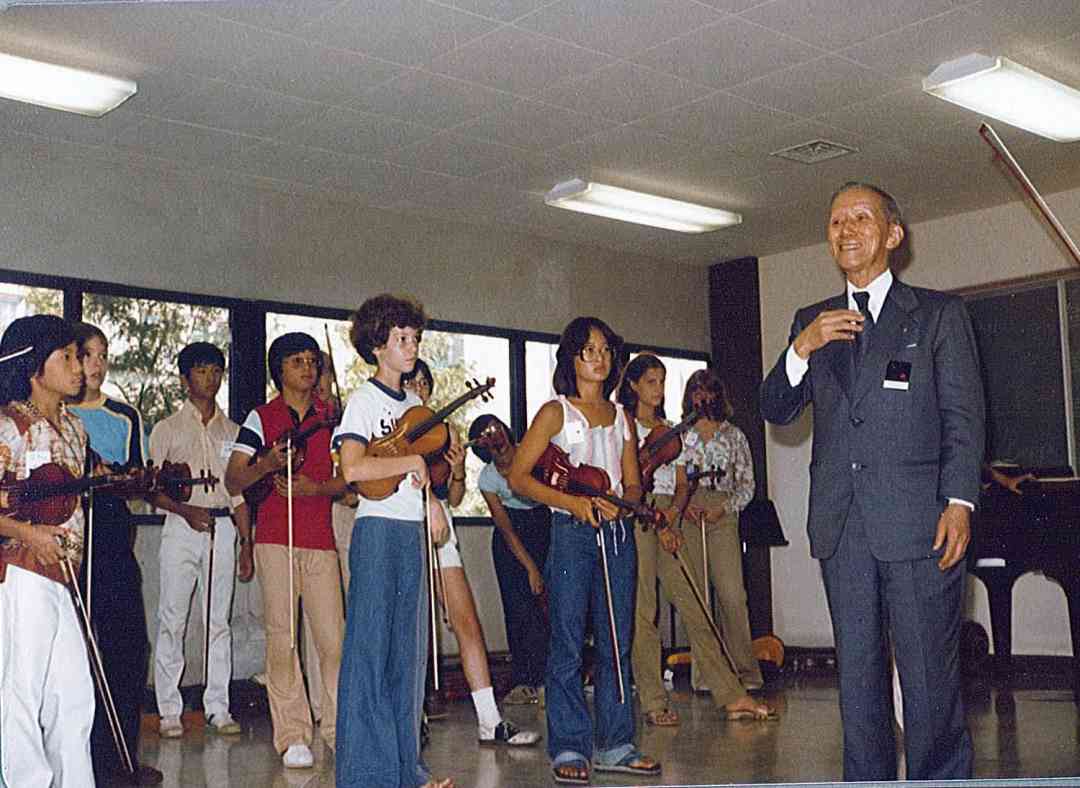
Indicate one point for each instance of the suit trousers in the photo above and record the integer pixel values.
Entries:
(726, 574)
(317, 583)
(919, 607)
(185, 563)
(656, 563)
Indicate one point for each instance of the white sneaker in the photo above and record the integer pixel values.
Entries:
(224, 724)
(170, 728)
(298, 756)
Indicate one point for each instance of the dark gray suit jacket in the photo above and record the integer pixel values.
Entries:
(899, 454)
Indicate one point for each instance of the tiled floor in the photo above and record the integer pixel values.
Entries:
(1037, 734)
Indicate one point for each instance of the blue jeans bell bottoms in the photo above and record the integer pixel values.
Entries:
(574, 575)
(381, 684)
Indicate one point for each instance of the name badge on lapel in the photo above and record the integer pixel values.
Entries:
(898, 376)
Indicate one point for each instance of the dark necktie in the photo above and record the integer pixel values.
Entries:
(862, 339)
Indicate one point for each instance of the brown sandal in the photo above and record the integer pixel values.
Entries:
(662, 718)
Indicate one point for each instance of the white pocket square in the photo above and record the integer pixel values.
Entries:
(913, 344)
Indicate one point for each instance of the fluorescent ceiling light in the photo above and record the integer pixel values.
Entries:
(60, 87)
(625, 205)
(1002, 89)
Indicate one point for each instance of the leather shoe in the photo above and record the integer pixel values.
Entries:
(144, 775)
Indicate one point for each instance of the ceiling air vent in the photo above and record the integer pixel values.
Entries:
(814, 151)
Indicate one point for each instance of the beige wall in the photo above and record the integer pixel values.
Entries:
(63, 213)
(960, 251)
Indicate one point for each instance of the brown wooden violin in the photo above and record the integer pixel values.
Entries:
(260, 490)
(662, 445)
(555, 470)
(420, 430)
(50, 494)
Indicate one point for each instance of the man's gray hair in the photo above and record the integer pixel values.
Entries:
(888, 202)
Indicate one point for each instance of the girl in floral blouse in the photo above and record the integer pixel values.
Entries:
(715, 444)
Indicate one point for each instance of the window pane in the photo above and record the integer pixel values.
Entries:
(455, 358)
(351, 369)
(539, 367)
(679, 371)
(19, 301)
(145, 337)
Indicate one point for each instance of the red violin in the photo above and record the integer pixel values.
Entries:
(298, 436)
(555, 470)
(661, 446)
(49, 495)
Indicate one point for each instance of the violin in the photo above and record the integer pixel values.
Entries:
(260, 490)
(422, 431)
(50, 494)
(555, 470)
(662, 445)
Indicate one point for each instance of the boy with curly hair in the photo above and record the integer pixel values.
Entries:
(381, 682)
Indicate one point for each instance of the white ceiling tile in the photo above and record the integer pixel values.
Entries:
(503, 10)
(356, 133)
(716, 119)
(315, 72)
(623, 92)
(411, 32)
(626, 149)
(897, 116)
(283, 16)
(193, 145)
(620, 27)
(519, 62)
(295, 163)
(835, 24)
(528, 124)
(455, 155)
(382, 183)
(916, 50)
(727, 53)
(54, 124)
(246, 110)
(817, 86)
(433, 100)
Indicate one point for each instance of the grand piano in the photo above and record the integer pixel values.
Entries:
(1038, 531)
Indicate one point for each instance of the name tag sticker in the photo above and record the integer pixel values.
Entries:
(575, 432)
(226, 449)
(898, 376)
(35, 459)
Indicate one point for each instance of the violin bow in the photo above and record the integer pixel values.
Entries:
(433, 558)
(994, 141)
(97, 668)
(601, 543)
(292, 579)
(333, 373)
(209, 597)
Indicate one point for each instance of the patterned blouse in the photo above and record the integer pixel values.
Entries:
(729, 451)
(21, 453)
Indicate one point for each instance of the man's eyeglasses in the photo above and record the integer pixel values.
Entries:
(590, 353)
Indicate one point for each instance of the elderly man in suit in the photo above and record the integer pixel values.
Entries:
(893, 374)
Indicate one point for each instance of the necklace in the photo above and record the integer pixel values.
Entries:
(33, 410)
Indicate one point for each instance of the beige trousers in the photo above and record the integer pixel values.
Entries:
(725, 572)
(655, 562)
(317, 581)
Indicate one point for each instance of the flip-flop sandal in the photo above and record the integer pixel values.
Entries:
(631, 763)
(662, 718)
(750, 715)
(578, 765)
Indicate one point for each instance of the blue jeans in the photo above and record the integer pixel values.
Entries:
(575, 581)
(381, 684)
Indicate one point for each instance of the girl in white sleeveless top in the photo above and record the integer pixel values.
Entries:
(593, 431)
